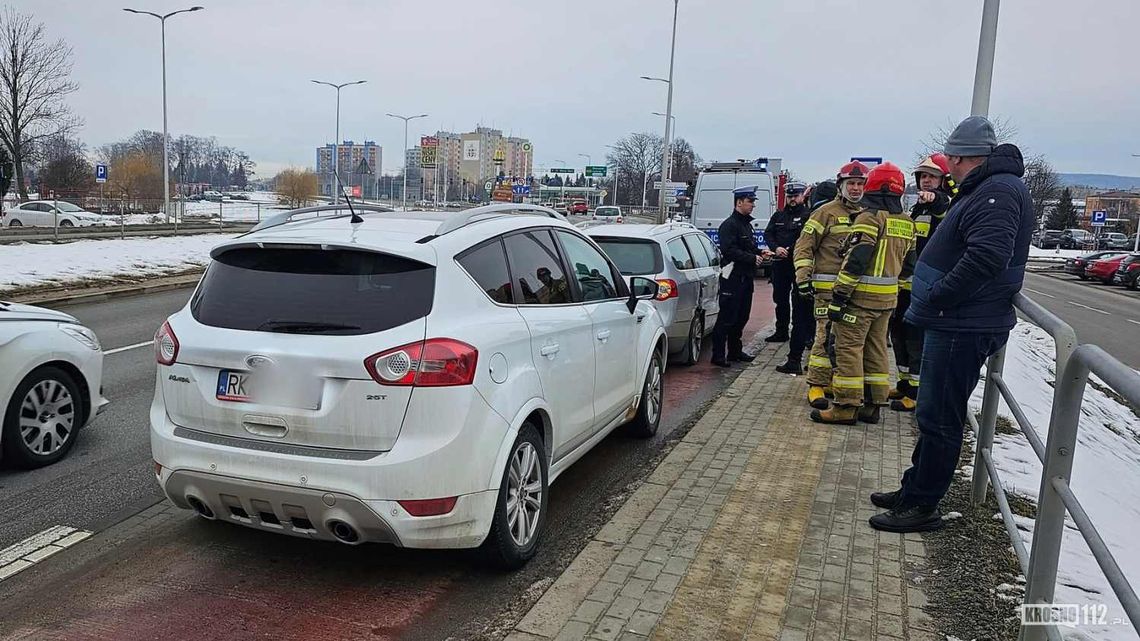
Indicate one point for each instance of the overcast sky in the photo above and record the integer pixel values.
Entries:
(811, 81)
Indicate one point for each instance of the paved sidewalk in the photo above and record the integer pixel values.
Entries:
(754, 527)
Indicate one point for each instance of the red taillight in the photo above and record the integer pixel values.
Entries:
(429, 507)
(666, 289)
(165, 345)
(438, 362)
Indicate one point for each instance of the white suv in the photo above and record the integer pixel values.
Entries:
(415, 378)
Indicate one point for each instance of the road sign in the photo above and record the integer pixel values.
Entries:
(603, 193)
(521, 190)
(100, 173)
(598, 171)
(670, 199)
(670, 185)
(1099, 217)
(561, 170)
(488, 185)
(870, 161)
(526, 147)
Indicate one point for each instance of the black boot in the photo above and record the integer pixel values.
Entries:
(916, 518)
(778, 337)
(886, 500)
(721, 361)
(742, 357)
(869, 414)
(792, 366)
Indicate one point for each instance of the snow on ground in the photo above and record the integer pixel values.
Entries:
(30, 264)
(1106, 474)
(1041, 255)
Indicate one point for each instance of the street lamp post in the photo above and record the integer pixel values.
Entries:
(616, 168)
(406, 119)
(165, 130)
(589, 161)
(668, 114)
(669, 155)
(984, 73)
(336, 140)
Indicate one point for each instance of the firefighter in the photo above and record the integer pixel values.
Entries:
(878, 252)
(781, 235)
(817, 262)
(741, 257)
(935, 188)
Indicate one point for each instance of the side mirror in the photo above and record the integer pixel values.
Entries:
(641, 288)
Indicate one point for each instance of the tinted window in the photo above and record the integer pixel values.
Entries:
(697, 250)
(711, 249)
(487, 264)
(536, 267)
(313, 291)
(633, 257)
(679, 255)
(590, 268)
(607, 211)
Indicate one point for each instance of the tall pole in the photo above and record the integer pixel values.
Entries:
(589, 161)
(406, 120)
(669, 118)
(987, 44)
(165, 129)
(336, 139)
(673, 119)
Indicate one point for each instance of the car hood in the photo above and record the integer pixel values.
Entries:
(19, 312)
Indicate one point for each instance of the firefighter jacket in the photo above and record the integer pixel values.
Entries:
(816, 253)
(926, 217)
(878, 252)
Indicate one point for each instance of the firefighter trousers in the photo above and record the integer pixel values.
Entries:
(906, 341)
(861, 362)
(819, 364)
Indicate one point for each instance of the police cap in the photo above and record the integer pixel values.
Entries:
(742, 193)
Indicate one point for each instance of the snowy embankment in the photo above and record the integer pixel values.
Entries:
(1036, 254)
(25, 266)
(1105, 478)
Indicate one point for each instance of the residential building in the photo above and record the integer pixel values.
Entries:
(465, 162)
(358, 164)
(1122, 207)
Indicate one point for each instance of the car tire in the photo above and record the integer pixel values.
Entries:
(1133, 284)
(648, 418)
(1082, 276)
(15, 223)
(66, 223)
(52, 394)
(696, 339)
(502, 546)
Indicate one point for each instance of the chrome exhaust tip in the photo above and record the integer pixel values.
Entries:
(344, 532)
(200, 507)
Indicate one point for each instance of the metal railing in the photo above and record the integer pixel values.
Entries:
(1073, 364)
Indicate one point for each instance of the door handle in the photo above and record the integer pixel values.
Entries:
(549, 350)
(604, 335)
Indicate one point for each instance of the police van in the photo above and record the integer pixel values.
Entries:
(712, 195)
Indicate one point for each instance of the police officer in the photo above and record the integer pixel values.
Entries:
(781, 235)
(741, 257)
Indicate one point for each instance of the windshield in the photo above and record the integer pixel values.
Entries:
(68, 207)
(607, 211)
(633, 257)
(313, 291)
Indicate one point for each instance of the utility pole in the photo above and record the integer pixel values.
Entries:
(336, 140)
(984, 73)
(406, 119)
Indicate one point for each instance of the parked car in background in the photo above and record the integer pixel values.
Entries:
(608, 213)
(213, 196)
(1077, 266)
(578, 208)
(1104, 269)
(686, 265)
(237, 195)
(1048, 239)
(1113, 240)
(416, 379)
(49, 213)
(1128, 272)
(1077, 239)
(51, 383)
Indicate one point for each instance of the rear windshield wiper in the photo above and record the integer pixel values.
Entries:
(303, 327)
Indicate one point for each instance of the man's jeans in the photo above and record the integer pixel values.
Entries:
(951, 366)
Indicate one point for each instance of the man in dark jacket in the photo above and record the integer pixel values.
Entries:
(741, 256)
(781, 235)
(962, 296)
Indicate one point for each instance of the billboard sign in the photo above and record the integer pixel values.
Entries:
(470, 150)
(428, 157)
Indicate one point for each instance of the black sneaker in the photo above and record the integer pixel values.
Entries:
(777, 338)
(742, 357)
(886, 500)
(917, 518)
(790, 367)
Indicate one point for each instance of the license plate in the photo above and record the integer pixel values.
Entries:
(242, 387)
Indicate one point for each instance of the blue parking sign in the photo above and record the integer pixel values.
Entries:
(1099, 217)
(100, 173)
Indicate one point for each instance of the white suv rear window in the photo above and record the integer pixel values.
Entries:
(308, 290)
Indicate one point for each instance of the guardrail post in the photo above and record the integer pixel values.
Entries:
(1050, 525)
(219, 214)
(994, 367)
(259, 212)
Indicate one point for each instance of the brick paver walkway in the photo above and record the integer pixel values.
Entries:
(754, 527)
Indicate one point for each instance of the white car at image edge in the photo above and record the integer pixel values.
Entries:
(51, 376)
(415, 378)
(48, 213)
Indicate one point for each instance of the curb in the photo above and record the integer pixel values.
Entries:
(61, 299)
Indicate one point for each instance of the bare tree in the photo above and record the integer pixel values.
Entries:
(686, 162)
(64, 167)
(297, 187)
(1044, 184)
(35, 77)
(638, 158)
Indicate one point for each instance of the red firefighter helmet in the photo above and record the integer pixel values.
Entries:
(853, 169)
(934, 164)
(885, 179)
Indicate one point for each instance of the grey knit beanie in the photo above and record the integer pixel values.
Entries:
(973, 136)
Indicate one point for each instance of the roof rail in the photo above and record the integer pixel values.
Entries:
(468, 216)
(286, 216)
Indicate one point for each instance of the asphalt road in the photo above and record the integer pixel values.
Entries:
(181, 577)
(1106, 315)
